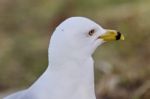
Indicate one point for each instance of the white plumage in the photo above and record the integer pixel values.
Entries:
(70, 72)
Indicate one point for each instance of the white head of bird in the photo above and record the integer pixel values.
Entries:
(80, 36)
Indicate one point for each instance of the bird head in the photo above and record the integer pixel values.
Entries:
(81, 35)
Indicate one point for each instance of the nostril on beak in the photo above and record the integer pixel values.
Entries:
(118, 36)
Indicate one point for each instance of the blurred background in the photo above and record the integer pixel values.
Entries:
(122, 69)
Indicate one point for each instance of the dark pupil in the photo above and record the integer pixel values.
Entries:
(91, 32)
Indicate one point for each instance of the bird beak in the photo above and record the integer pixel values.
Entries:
(111, 35)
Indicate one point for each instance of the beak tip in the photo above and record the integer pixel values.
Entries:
(112, 35)
(122, 37)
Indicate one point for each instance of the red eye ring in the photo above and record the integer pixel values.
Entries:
(91, 32)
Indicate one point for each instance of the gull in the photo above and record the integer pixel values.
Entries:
(70, 73)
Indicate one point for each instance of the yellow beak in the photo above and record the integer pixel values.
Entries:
(112, 35)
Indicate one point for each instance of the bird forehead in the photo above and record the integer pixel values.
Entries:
(77, 23)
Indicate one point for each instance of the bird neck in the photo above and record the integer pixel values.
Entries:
(68, 76)
(60, 57)
(71, 81)
(74, 78)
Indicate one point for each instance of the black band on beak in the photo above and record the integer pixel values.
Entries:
(118, 36)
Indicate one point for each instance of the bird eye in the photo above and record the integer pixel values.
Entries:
(91, 32)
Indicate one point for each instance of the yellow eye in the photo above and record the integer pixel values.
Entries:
(91, 32)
